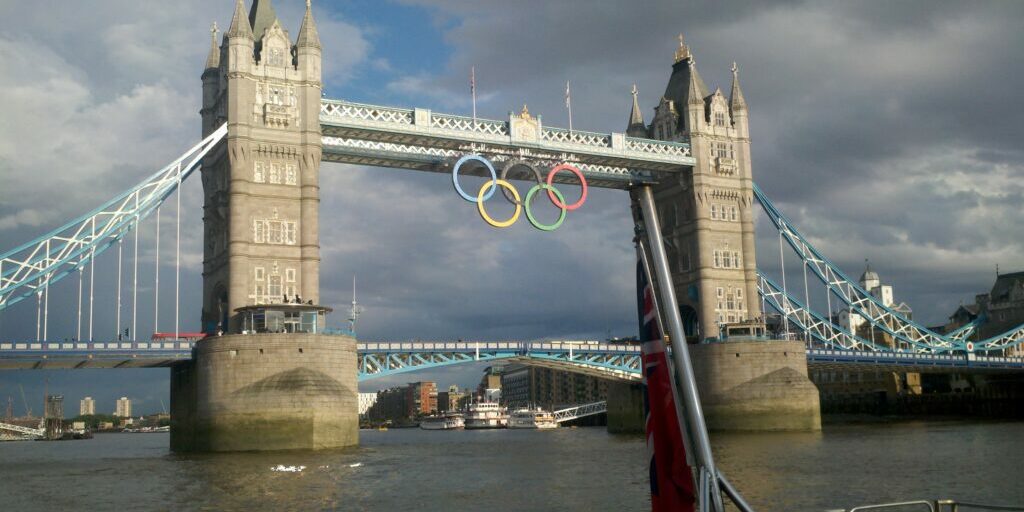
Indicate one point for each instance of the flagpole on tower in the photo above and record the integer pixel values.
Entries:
(568, 103)
(472, 89)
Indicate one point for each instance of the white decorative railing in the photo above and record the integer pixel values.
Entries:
(657, 147)
(346, 110)
(562, 136)
(467, 124)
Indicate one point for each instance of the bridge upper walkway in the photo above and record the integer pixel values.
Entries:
(429, 141)
(378, 359)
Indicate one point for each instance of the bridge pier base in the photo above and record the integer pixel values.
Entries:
(756, 385)
(265, 392)
(743, 385)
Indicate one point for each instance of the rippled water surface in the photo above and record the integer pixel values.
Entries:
(574, 469)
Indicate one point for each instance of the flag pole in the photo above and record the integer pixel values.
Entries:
(568, 104)
(680, 352)
(472, 89)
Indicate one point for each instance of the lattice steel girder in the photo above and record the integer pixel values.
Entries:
(603, 359)
(580, 411)
(824, 331)
(868, 306)
(51, 257)
(424, 140)
(850, 293)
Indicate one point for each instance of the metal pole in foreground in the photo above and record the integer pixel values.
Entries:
(680, 352)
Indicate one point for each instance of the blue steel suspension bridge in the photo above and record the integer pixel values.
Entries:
(424, 140)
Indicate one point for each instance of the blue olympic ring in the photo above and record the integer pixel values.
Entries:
(490, 168)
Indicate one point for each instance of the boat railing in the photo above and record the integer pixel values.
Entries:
(932, 506)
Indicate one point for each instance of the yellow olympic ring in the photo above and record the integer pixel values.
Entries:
(483, 213)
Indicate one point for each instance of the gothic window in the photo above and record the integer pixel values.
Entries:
(714, 212)
(274, 288)
(273, 231)
(732, 213)
(718, 261)
(259, 231)
(721, 150)
(719, 118)
(289, 275)
(736, 259)
(289, 174)
(289, 233)
(259, 173)
(275, 173)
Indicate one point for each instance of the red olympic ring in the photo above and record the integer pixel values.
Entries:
(583, 184)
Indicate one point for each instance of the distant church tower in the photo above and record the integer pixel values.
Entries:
(261, 188)
(707, 216)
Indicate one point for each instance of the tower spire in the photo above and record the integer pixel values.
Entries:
(308, 35)
(636, 127)
(695, 89)
(240, 26)
(736, 100)
(213, 58)
(261, 16)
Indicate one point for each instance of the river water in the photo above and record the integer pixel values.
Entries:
(564, 469)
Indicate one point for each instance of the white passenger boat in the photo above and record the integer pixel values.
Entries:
(450, 421)
(486, 415)
(532, 418)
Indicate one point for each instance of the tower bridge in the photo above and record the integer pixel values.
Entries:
(268, 375)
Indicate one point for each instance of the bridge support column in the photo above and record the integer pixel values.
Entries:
(264, 392)
(756, 385)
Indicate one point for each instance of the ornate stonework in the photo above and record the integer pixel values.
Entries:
(261, 190)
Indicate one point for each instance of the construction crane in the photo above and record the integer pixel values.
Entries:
(28, 408)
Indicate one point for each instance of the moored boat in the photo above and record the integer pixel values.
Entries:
(450, 421)
(486, 415)
(532, 419)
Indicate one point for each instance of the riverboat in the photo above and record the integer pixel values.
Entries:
(486, 415)
(532, 419)
(450, 421)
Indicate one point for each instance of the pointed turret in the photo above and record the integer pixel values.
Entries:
(213, 58)
(636, 127)
(736, 101)
(261, 16)
(308, 35)
(307, 48)
(240, 26)
(685, 89)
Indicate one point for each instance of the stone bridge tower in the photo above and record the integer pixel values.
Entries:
(707, 216)
(261, 190)
(272, 380)
(707, 222)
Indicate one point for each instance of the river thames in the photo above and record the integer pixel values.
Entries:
(513, 470)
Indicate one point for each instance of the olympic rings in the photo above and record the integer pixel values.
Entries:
(559, 202)
(512, 194)
(529, 214)
(483, 213)
(490, 168)
(511, 164)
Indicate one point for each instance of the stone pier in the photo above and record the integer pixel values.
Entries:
(743, 385)
(260, 392)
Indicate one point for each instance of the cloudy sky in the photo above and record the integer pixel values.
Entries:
(889, 132)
